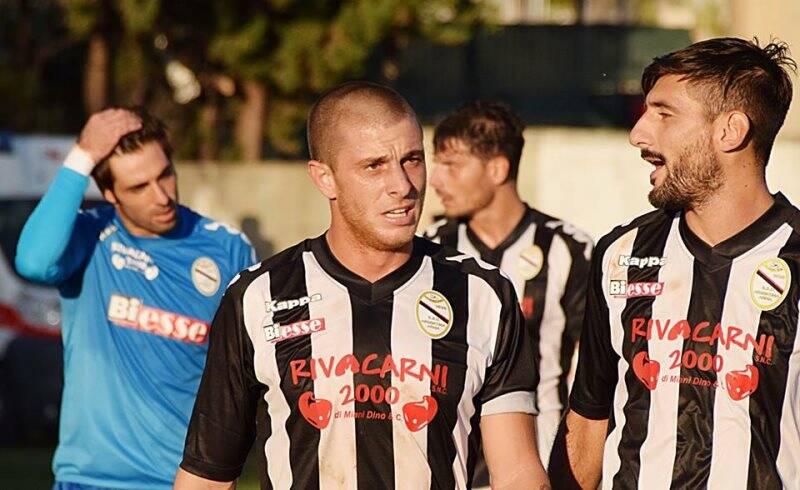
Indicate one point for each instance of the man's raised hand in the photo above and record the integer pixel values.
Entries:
(103, 130)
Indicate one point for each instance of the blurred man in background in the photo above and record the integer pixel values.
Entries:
(139, 281)
(367, 357)
(478, 150)
(689, 368)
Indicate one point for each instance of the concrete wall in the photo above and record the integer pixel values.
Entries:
(592, 178)
(769, 19)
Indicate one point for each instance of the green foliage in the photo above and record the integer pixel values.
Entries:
(294, 49)
(83, 16)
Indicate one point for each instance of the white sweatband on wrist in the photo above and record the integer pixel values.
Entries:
(80, 161)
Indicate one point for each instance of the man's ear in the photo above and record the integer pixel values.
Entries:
(109, 195)
(733, 131)
(321, 175)
(498, 168)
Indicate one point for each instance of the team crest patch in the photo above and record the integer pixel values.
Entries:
(770, 283)
(205, 276)
(530, 262)
(434, 314)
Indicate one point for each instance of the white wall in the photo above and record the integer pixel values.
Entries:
(590, 177)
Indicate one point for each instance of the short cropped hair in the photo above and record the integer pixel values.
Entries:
(153, 129)
(735, 74)
(489, 129)
(368, 101)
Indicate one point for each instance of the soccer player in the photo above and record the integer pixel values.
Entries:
(689, 366)
(139, 280)
(366, 358)
(477, 153)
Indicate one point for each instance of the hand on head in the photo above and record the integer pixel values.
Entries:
(104, 129)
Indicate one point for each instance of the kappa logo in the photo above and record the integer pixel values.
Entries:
(624, 289)
(641, 262)
(288, 304)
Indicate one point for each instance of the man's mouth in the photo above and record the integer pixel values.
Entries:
(401, 215)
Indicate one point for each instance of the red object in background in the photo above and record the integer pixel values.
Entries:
(11, 318)
(527, 307)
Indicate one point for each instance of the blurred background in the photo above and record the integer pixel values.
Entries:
(234, 80)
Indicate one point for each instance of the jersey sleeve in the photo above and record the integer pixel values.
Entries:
(222, 427)
(596, 375)
(244, 254)
(512, 376)
(56, 239)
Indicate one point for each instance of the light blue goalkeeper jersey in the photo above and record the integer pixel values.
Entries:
(136, 314)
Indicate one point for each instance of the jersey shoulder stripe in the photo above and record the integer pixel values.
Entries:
(473, 266)
(291, 257)
(444, 231)
(656, 217)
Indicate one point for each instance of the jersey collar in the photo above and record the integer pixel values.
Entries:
(495, 255)
(369, 292)
(722, 253)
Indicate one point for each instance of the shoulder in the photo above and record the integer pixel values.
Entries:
(98, 218)
(224, 234)
(574, 237)
(654, 219)
(289, 259)
(442, 228)
(463, 266)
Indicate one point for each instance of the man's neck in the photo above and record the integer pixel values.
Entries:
(494, 223)
(738, 204)
(368, 262)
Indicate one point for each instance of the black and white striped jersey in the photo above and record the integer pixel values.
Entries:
(352, 384)
(548, 262)
(692, 354)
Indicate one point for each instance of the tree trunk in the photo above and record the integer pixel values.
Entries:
(209, 118)
(252, 117)
(96, 74)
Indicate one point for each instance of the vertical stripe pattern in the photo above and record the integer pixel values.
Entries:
(775, 429)
(658, 449)
(409, 342)
(452, 350)
(649, 242)
(550, 338)
(372, 324)
(287, 284)
(611, 460)
(337, 444)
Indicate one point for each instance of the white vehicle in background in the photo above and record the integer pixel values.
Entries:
(30, 317)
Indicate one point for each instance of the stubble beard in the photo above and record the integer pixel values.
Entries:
(694, 177)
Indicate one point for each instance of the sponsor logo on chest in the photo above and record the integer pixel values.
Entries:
(130, 258)
(623, 289)
(694, 361)
(131, 312)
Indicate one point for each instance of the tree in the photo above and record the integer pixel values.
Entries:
(282, 53)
